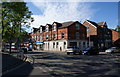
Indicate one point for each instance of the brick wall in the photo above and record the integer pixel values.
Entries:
(92, 30)
(65, 31)
(69, 33)
(115, 35)
(72, 31)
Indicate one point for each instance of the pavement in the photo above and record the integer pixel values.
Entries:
(10, 61)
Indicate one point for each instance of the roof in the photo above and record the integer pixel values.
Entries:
(101, 23)
(43, 27)
(58, 24)
(66, 24)
(94, 23)
(35, 29)
(50, 26)
(113, 30)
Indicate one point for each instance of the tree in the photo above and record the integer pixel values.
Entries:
(118, 28)
(15, 16)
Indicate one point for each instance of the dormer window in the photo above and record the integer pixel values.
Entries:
(77, 26)
(47, 29)
(40, 29)
(54, 27)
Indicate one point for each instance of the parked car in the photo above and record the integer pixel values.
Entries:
(7, 48)
(73, 50)
(25, 49)
(90, 51)
(113, 50)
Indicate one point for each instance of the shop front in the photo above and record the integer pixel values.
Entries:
(39, 45)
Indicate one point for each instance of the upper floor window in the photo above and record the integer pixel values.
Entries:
(47, 37)
(54, 27)
(54, 36)
(47, 29)
(77, 35)
(83, 35)
(63, 34)
(77, 26)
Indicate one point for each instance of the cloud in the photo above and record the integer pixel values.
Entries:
(62, 12)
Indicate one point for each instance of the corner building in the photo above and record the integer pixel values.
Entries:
(59, 36)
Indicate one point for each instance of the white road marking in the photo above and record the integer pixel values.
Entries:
(49, 69)
(42, 69)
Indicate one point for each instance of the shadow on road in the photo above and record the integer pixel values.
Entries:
(14, 67)
(79, 65)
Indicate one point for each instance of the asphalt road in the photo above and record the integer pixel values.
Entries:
(60, 64)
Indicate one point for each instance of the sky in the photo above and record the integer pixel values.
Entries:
(62, 11)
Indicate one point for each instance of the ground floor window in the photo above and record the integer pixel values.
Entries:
(57, 45)
(73, 43)
(83, 44)
(88, 44)
(64, 44)
(48, 45)
(53, 44)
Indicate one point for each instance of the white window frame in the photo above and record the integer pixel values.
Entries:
(40, 30)
(55, 27)
(47, 29)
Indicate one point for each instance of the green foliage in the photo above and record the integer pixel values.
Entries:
(118, 29)
(14, 16)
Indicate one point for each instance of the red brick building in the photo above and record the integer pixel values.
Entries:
(115, 37)
(98, 33)
(59, 36)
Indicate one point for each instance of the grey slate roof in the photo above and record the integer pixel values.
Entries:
(66, 24)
